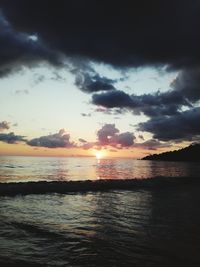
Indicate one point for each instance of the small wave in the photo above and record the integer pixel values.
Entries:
(13, 166)
(9, 166)
(35, 229)
(64, 187)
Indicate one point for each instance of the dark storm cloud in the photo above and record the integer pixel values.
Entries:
(183, 126)
(4, 125)
(60, 139)
(123, 33)
(132, 33)
(11, 138)
(20, 48)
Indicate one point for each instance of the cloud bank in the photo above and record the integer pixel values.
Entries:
(58, 140)
(108, 136)
(128, 33)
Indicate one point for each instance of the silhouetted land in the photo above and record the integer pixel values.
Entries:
(190, 153)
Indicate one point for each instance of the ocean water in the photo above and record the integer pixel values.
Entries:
(23, 169)
(156, 226)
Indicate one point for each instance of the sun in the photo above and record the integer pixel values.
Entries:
(99, 154)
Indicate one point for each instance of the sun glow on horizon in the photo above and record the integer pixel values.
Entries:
(99, 154)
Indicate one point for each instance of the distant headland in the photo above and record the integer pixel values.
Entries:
(190, 153)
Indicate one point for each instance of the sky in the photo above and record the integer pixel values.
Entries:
(86, 78)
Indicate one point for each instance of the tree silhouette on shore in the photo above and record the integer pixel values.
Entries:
(190, 153)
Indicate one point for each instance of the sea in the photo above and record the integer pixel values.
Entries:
(140, 227)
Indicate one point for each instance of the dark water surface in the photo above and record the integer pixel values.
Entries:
(141, 227)
(116, 228)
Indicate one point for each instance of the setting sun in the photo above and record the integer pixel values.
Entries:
(99, 154)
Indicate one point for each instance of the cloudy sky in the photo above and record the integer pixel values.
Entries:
(120, 77)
